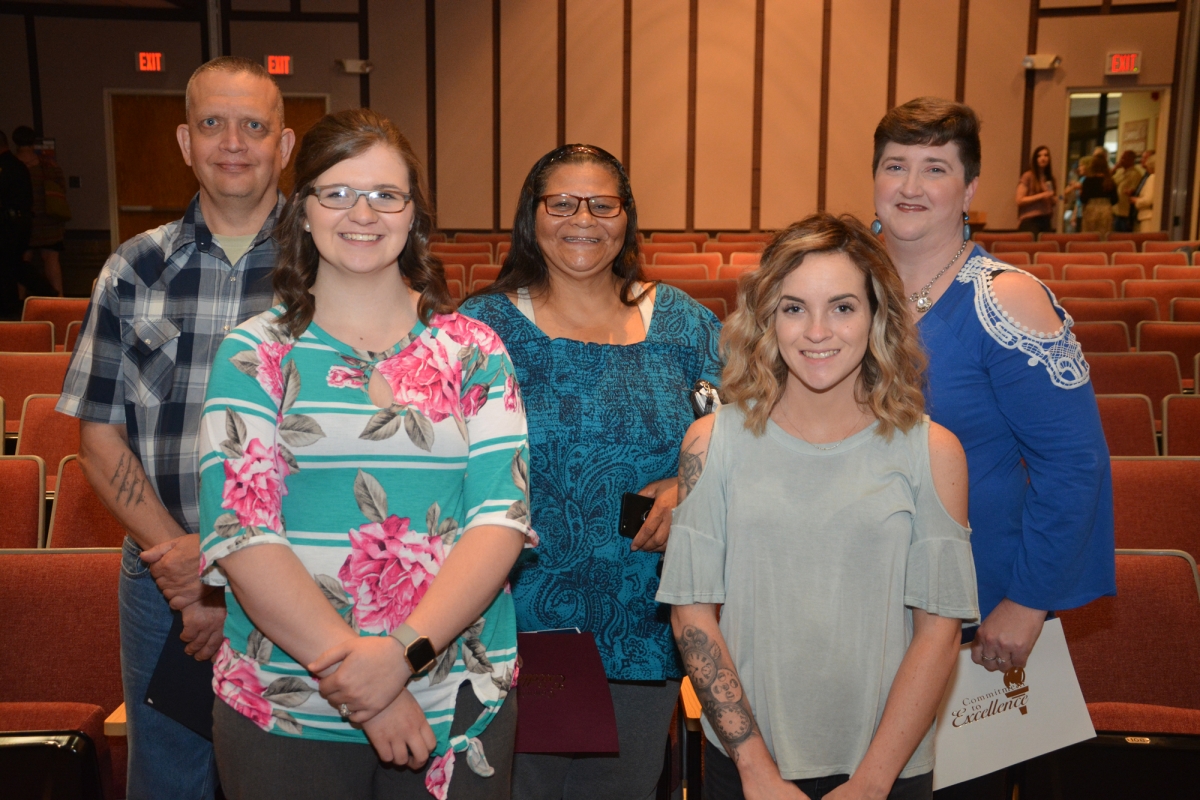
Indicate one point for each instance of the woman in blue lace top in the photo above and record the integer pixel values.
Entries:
(605, 361)
(1007, 377)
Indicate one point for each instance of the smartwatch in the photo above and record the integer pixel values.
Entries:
(418, 650)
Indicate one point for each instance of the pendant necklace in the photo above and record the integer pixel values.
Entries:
(825, 448)
(921, 298)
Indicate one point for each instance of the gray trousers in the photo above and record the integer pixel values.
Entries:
(256, 765)
(643, 711)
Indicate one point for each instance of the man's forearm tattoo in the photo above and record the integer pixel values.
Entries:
(690, 467)
(129, 480)
(718, 689)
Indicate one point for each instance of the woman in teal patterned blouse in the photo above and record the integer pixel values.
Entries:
(606, 361)
(364, 489)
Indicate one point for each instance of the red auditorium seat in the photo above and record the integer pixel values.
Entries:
(1100, 289)
(738, 259)
(502, 249)
(1101, 247)
(1043, 272)
(1063, 238)
(23, 374)
(734, 271)
(27, 337)
(1181, 426)
(461, 247)
(1162, 291)
(1128, 421)
(1175, 272)
(46, 433)
(744, 237)
(1113, 272)
(1060, 260)
(1102, 337)
(727, 249)
(480, 285)
(1155, 375)
(1185, 309)
(669, 237)
(494, 239)
(650, 249)
(715, 305)
(1150, 260)
(59, 310)
(467, 260)
(1025, 247)
(705, 290)
(437, 237)
(455, 272)
(24, 519)
(456, 289)
(73, 328)
(1016, 259)
(78, 518)
(711, 261)
(662, 272)
(62, 664)
(1180, 338)
(1131, 312)
(487, 272)
(1156, 502)
(1138, 237)
(986, 240)
(1169, 247)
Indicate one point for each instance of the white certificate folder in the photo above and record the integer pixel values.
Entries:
(991, 720)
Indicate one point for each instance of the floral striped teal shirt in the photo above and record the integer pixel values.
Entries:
(371, 501)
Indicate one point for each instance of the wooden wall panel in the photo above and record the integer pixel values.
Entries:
(16, 104)
(595, 56)
(927, 49)
(464, 113)
(528, 93)
(724, 113)
(995, 88)
(858, 77)
(398, 80)
(313, 57)
(658, 112)
(791, 111)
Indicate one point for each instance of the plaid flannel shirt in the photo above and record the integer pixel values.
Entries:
(162, 305)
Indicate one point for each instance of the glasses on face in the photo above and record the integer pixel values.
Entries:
(566, 205)
(387, 201)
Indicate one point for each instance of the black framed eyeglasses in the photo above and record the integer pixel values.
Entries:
(567, 205)
(341, 198)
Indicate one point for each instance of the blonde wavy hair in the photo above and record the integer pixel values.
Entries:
(893, 368)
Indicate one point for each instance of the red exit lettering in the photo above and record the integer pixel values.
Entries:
(1123, 63)
(279, 65)
(150, 62)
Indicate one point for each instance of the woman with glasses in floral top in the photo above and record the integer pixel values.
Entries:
(364, 489)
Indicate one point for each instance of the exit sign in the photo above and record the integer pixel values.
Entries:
(279, 65)
(1123, 64)
(149, 62)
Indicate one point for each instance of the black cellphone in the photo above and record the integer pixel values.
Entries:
(634, 510)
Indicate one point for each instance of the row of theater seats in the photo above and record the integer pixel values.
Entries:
(1147, 241)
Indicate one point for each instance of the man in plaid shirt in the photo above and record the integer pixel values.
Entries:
(162, 305)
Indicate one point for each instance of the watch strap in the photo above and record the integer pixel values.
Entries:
(418, 650)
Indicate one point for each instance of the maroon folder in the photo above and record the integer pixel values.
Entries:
(563, 702)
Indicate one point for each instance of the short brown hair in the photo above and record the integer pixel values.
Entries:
(932, 122)
(892, 375)
(233, 65)
(334, 139)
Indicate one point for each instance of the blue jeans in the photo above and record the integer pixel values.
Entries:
(166, 760)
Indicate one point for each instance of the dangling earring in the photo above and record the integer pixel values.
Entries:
(966, 228)
(877, 227)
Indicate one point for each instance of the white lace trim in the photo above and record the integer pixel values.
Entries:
(1058, 351)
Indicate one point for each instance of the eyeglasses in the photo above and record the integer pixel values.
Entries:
(387, 201)
(566, 205)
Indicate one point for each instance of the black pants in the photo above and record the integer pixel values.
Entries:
(12, 265)
(722, 782)
(1043, 223)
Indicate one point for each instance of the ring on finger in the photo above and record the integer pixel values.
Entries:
(987, 658)
(1000, 660)
(344, 710)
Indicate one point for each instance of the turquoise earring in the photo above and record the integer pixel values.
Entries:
(876, 227)
(966, 228)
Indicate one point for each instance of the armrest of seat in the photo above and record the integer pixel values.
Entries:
(115, 724)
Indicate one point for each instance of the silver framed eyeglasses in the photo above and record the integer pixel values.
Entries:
(567, 205)
(341, 198)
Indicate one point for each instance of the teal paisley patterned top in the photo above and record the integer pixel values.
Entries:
(371, 500)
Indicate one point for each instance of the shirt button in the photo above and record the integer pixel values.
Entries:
(226, 327)
(147, 341)
(232, 278)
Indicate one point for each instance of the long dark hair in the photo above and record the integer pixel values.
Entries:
(334, 139)
(1041, 176)
(525, 267)
(1099, 169)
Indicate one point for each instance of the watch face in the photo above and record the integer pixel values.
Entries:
(421, 655)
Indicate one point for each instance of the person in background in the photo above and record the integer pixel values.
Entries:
(1008, 378)
(1126, 176)
(363, 497)
(1143, 199)
(827, 517)
(1071, 201)
(1098, 193)
(160, 308)
(1036, 197)
(606, 361)
(16, 222)
(49, 229)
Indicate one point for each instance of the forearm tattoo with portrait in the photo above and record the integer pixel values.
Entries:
(691, 464)
(129, 481)
(718, 689)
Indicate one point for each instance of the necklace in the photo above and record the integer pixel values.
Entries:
(825, 448)
(921, 298)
